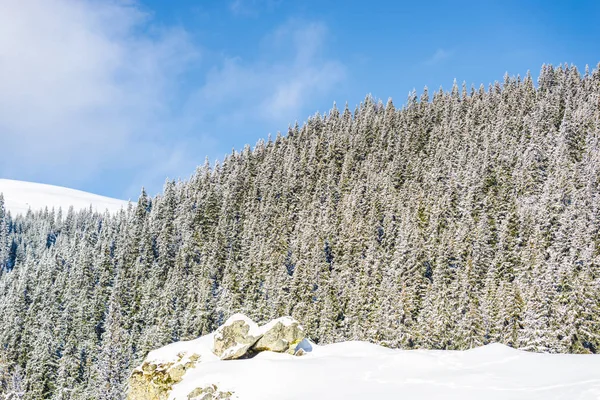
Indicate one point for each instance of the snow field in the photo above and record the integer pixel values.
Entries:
(359, 370)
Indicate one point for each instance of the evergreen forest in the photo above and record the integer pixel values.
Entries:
(456, 219)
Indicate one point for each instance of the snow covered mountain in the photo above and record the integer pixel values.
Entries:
(20, 196)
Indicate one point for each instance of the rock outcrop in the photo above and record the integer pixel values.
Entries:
(239, 337)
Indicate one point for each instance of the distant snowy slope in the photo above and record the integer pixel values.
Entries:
(20, 196)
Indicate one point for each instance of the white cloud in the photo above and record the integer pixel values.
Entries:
(82, 85)
(437, 57)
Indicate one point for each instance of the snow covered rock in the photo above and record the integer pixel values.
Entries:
(235, 337)
(239, 335)
(209, 392)
(281, 335)
(154, 379)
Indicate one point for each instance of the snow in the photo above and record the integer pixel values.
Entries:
(254, 330)
(359, 370)
(285, 321)
(231, 351)
(201, 346)
(20, 196)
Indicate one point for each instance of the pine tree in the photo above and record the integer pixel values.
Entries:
(113, 359)
(4, 250)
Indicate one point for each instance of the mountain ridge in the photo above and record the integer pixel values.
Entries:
(20, 196)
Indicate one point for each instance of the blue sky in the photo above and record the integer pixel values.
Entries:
(110, 96)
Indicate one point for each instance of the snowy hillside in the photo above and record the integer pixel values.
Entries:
(359, 370)
(19, 196)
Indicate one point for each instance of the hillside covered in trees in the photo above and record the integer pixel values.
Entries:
(462, 218)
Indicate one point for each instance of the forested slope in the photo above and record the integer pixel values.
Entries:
(462, 218)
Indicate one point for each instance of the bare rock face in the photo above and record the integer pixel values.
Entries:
(235, 337)
(281, 335)
(154, 380)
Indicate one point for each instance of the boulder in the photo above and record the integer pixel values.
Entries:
(235, 337)
(281, 335)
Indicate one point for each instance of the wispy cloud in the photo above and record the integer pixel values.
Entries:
(82, 87)
(439, 56)
(290, 71)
